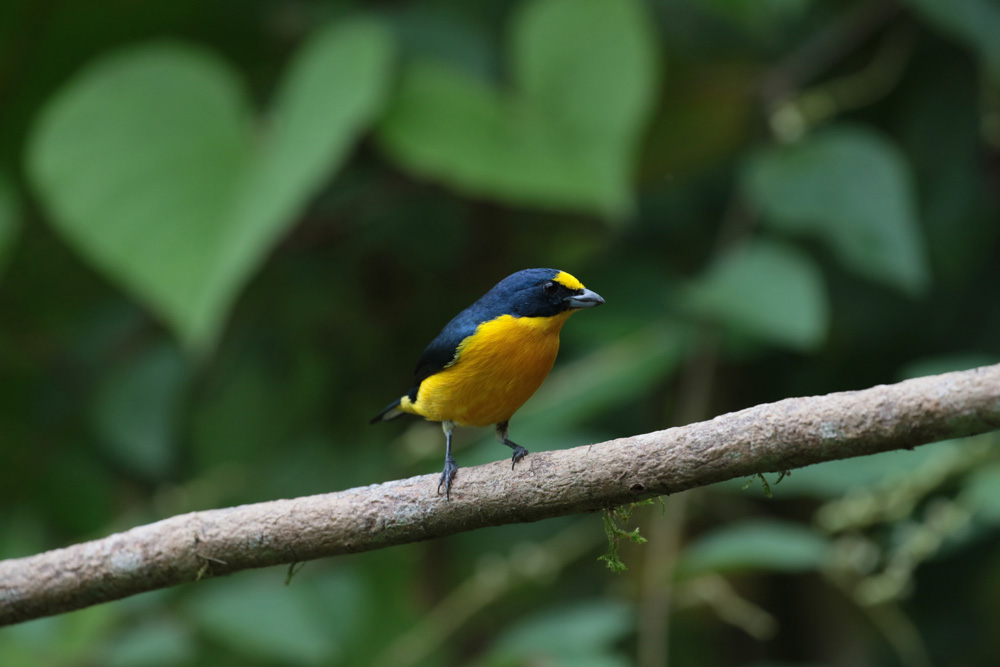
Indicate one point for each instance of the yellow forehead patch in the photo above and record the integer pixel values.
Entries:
(567, 281)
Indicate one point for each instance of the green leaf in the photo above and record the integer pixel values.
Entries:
(257, 615)
(151, 644)
(149, 167)
(136, 160)
(336, 85)
(585, 64)
(135, 411)
(58, 640)
(980, 493)
(10, 218)
(586, 630)
(766, 290)
(564, 137)
(975, 22)
(777, 546)
(851, 189)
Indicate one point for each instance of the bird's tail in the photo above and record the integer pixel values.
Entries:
(390, 412)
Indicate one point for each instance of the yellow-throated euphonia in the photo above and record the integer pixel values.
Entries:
(492, 357)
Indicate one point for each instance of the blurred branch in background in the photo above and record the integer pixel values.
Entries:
(768, 438)
(792, 116)
(666, 538)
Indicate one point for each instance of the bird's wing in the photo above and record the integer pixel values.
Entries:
(442, 350)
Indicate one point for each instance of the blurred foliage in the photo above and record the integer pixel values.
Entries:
(149, 164)
(228, 229)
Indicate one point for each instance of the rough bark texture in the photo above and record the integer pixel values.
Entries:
(768, 438)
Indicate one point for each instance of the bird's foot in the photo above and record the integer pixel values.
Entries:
(448, 474)
(519, 453)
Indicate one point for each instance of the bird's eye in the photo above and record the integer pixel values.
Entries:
(550, 287)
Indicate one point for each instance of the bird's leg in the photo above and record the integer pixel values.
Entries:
(450, 467)
(519, 451)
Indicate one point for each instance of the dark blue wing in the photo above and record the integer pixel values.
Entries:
(441, 351)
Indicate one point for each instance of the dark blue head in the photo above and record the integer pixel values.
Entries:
(536, 293)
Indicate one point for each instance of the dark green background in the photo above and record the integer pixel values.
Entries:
(227, 230)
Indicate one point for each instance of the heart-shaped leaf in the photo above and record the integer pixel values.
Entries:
(584, 74)
(850, 188)
(150, 165)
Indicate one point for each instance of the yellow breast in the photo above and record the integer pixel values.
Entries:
(496, 370)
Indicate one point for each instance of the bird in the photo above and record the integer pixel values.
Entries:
(491, 357)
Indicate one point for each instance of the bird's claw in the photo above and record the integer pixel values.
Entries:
(448, 474)
(519, 453)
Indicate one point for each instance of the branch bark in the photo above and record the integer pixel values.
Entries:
(779, 436)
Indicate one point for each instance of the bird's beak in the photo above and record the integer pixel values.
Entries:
(588, 299)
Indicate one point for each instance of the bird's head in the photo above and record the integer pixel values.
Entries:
(543, 293)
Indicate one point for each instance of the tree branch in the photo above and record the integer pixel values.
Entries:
(768, 438)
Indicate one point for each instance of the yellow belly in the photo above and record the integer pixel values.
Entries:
(496, 370)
